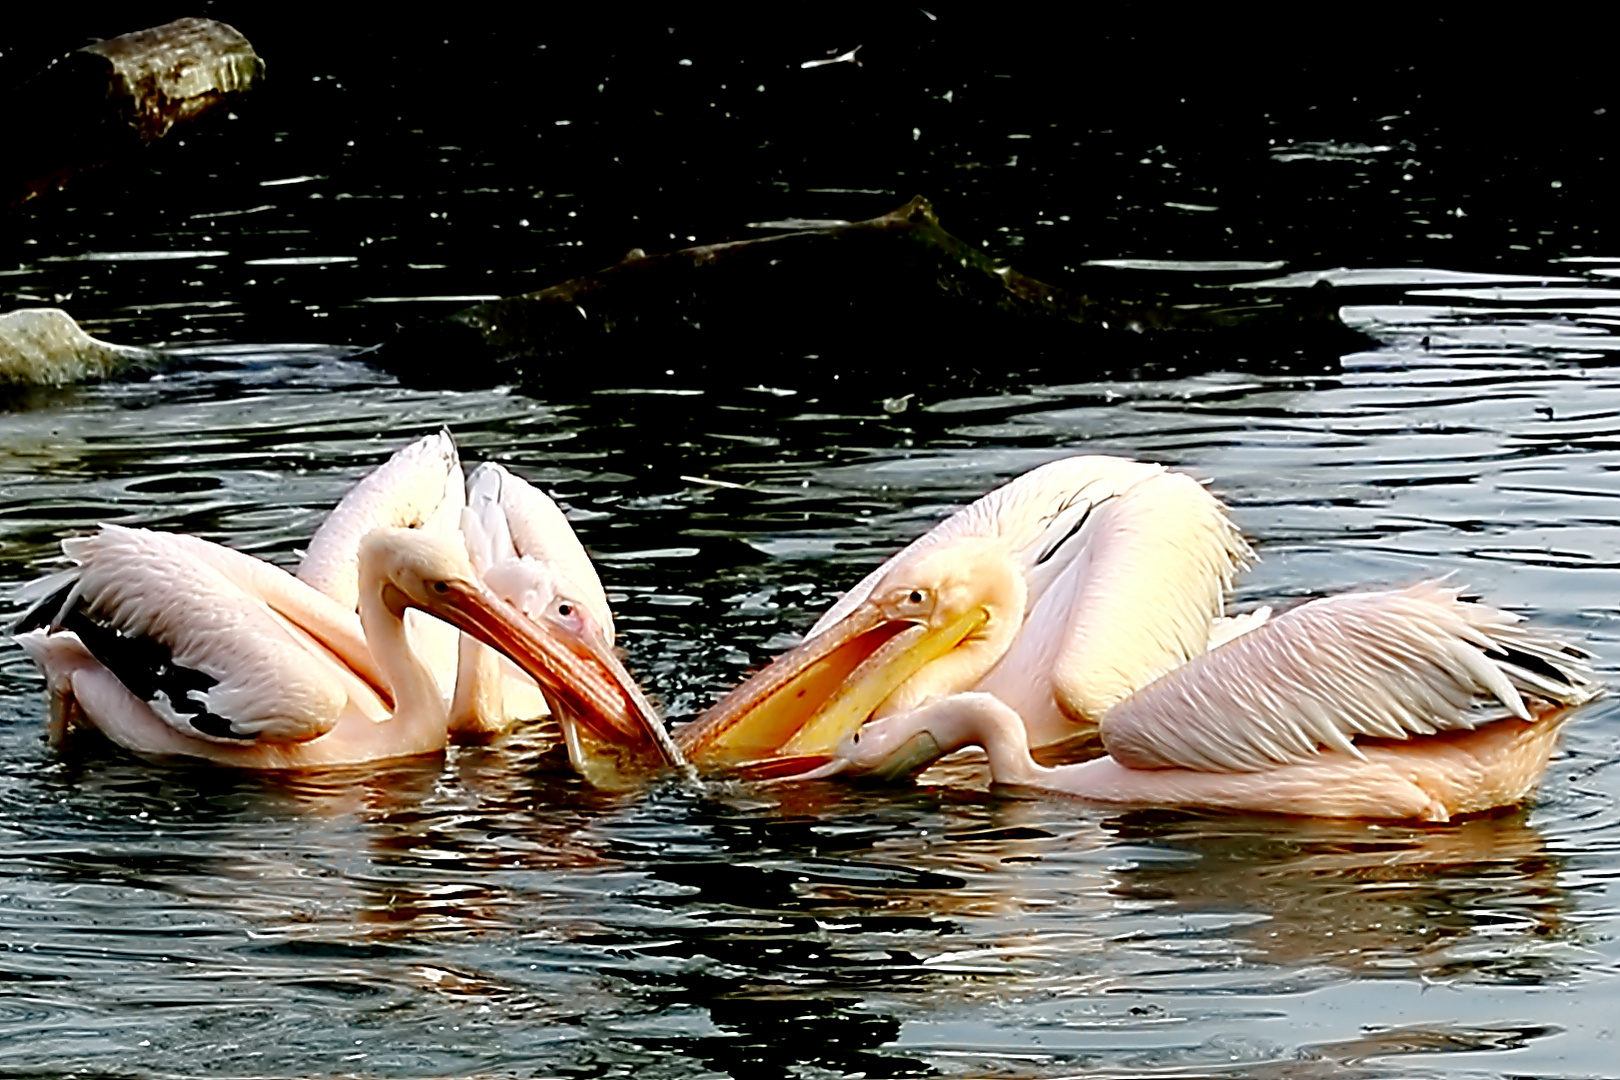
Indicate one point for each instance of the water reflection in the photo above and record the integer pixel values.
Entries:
(1479, 901)
(817, 929)
(812, 926)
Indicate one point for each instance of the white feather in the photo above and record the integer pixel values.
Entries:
(1392, 665)
(419, 486)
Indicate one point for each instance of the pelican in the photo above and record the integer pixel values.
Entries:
(522, 547)
(176, 648)
(1077, 598)
(1087, 545)
(420, 486)
(526, 554)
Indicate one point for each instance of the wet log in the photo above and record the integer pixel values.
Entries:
(895, 295)
(109, 99)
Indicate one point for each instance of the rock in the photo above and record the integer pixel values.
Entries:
(45, 347)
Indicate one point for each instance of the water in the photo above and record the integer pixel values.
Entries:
(480, 915)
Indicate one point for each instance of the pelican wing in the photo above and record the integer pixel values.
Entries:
(420, 486)
(1037, 515)
(1141, 581)
(1226, 628)
(211, 658)
(312, 612)
(1393, 665)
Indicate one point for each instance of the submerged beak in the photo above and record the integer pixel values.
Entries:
(613, 732)
(814, 696)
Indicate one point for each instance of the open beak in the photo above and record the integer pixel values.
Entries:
(814, 696)
(613, 732)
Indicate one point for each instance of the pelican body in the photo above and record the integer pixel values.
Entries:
(178, 648)
(1085, 599)
(1402, 704)
(1063, 592)
(525, 551)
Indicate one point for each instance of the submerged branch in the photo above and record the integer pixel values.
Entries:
(892, 293)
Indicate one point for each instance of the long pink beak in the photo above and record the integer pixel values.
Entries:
(585, 682)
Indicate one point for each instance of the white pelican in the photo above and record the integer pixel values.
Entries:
(1403, 704)
(1090, 546)
(526, 553)
(520, 543)
(176, 648)
(420, 486)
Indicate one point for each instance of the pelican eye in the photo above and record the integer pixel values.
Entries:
(565, 608)
(911, 603)
(441, 586)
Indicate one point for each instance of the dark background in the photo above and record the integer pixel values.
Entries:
(441, 151)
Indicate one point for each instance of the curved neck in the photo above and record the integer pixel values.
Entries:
(477, 706)
(1138, 601)
(417, 700)
(985, 720)
(421, 485)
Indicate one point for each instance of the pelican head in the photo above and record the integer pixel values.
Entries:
(584, 682)
(933, 624)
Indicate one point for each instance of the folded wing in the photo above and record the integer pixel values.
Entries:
(217, 644)
(1382, 665)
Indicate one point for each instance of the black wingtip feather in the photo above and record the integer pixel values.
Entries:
(1536, 665)
(1075, 528)
(45, 613)
(147, 669)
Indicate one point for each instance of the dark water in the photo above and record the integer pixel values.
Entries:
(476, 915)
